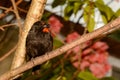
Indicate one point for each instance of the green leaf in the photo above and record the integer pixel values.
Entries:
(107, 78)
(46, 65)
(104, 19)
(117, 14)
(85, 75)
(105, 10)
(86, 13)
(91, 24)
(57, 70)
(100, 1)
(58, 2)
(54, 77)
(88, 16)
(57, 43)
(46, 16)
(76, 7)
(115, 35)
(64, 78)
(68, 11)
(74, 0)
(26, 74)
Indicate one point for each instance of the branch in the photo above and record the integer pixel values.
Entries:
(18, 56)
(16, 13)
(34, 14)
(8, 9)
(7, 25)
(59, 51)
(8, 53)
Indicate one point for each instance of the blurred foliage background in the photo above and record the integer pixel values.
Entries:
(89, 61)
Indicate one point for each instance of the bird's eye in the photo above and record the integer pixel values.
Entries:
(46, 26)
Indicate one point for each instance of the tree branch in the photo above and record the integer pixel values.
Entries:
(8, 9)
(59, 51)
(34, 14)
(8, 53)
(7, 25)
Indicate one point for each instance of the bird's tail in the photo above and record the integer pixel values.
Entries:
(36, 70)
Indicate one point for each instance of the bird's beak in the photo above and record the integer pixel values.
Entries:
(45, 30)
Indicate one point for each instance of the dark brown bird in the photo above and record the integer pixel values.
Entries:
(38, 42)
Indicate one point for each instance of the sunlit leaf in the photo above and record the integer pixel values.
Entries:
(68, 11)
(104, 19)
(105, 10)
(91, 24)
(61, 78)
(74, 0)
(88, 16)
(85, 75)
(76, 7)
(117, 14)
(100, 1)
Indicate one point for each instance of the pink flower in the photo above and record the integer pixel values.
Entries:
(55, 24)
(84, 64)
(102, 57)
(87, 51)
(107, 67)
(71, 37)
(93, 57)
(97, 70)
(100, 45)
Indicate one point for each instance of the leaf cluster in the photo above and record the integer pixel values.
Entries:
(88, 9)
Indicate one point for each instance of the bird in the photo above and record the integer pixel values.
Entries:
(38, 42)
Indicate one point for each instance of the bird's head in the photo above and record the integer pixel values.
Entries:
(45, 28)
(40, 26)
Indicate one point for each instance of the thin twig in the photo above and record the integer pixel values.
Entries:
(9, 9)
(4, 8)
(8, 53)
(7, 25)
(25, 11)
(59, 51)
(17, 15)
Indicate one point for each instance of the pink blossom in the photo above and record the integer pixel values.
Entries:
(71, 37)
(55, 24)
(102, 57)
(87, 51)
(84, 64)
(100, 45)
(107, 67)
(97, 70)
(93, 57)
